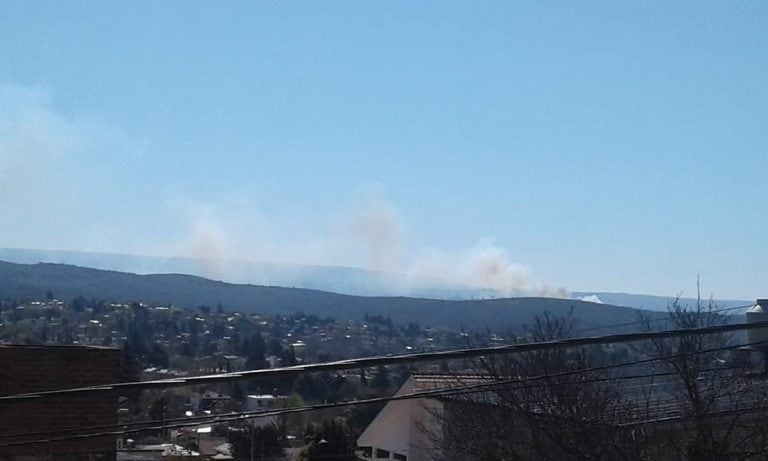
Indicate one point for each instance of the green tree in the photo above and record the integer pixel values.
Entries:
(381, 380)
(256, 443)
(332, 441)
(293, 423)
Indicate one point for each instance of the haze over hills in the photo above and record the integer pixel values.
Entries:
(337, 279)
(655, 303)
(67, 282)
(344, 280)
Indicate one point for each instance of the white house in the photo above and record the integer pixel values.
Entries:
(402, 429)
(263, 402)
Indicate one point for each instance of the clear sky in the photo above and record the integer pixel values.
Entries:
(616, 146)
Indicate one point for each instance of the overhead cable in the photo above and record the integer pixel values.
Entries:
(496, 385)
(387, 360)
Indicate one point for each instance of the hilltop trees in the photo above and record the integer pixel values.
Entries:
(255, 443)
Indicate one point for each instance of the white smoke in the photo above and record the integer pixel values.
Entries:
(377, 227)
(206, 244)
(41, 171)
(62, 193)
(54, 181)
(372, 236)
(591, 299)
(483, 266)
(33, 141)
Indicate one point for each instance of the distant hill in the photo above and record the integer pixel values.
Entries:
(67, 282)
(337, 279)
(653, 303)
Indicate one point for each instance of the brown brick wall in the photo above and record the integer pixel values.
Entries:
(26, 369)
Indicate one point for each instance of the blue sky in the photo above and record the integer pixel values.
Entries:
(617, 146)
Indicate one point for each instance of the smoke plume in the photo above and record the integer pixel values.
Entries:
(378, 228)
(483, 266)
(206, 245)
(66, 180)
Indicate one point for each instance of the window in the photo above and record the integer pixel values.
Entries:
(366, 452)
(382, 454)
(401, 457)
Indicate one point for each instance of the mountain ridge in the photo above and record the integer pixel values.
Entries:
(655, 302)
(335, 279)
(67, 282)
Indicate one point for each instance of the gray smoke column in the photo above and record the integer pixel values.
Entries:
(206, 244)
(377, 226)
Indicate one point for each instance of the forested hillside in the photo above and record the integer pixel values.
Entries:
(66, 282)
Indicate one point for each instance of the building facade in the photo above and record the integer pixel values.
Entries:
(26, 369)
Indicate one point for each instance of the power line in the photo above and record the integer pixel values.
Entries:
(440, 392)
(660, 319)
(716, 414)
(242, 416)
(389, 360)
(203, 419)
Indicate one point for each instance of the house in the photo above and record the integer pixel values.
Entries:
(158, 452)
(205, 403)
(264, 402)
(404, 429)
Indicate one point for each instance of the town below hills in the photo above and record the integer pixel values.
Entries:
(67, 282)
(175, 326)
